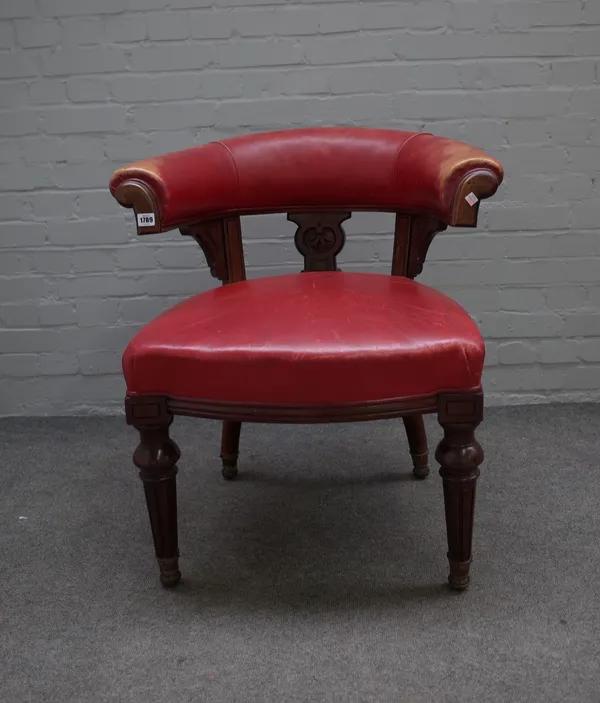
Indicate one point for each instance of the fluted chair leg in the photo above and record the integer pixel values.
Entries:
(460, 455)
(156, 457)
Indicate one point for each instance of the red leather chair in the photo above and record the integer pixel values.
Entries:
(321, 345)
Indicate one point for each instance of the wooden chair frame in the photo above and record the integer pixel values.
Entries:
(319, 238)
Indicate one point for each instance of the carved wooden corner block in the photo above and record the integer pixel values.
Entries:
(319, 238)
(147, 411)
(412, 238)
(474, 187)
(458, 408)
(135, 194)
(209, 235)
(221, 242)
(422, 231)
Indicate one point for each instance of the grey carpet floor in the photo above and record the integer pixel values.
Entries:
(317, 576)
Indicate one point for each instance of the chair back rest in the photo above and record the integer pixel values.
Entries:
(318, 176)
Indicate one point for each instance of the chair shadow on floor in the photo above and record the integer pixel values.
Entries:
(273, 479)
(197, 595)
(313, 542)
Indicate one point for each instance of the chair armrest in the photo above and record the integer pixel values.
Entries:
(447, 178)
(176, 189)
(311, 169)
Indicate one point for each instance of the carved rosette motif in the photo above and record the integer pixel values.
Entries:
(319, 238)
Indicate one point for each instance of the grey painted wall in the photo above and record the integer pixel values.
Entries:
(87, 85)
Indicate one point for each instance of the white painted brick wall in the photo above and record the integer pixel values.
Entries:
(87, 85)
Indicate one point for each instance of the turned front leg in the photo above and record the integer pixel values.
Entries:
(460, 455)
(156, 457)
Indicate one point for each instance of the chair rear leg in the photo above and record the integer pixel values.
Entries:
(230, 444)
(417, 442)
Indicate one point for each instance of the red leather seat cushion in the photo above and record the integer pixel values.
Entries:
(309, 338)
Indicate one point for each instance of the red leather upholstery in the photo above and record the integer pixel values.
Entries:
(310, 338)
(332, 167)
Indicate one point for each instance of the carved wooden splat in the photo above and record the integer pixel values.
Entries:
(319, 238)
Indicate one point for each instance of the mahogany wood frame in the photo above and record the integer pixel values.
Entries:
(319, 238)
(459, 454)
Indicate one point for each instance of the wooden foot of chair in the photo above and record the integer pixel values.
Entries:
(459, 455)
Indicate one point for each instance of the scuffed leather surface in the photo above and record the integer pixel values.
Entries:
(308, 338)
(333, 167)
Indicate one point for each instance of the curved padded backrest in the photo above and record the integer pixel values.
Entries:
(329, 167)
